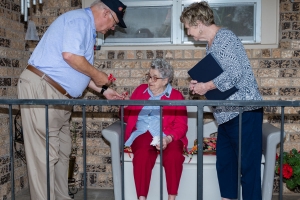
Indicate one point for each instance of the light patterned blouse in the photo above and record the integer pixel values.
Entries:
(230, 53)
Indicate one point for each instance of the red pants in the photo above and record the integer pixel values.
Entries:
(144, 160)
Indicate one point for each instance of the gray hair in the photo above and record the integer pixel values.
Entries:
(164, 68)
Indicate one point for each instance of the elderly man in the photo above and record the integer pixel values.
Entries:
(61, 67)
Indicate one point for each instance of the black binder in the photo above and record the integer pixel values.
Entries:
(206, 70)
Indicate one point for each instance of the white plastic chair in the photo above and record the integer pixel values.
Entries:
(187, 188)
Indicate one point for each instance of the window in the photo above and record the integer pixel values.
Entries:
(156, 22)
(153, 27)
(238, 17)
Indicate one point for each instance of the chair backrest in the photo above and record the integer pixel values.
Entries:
(208, 128)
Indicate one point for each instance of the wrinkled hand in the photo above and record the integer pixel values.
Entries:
(166, 141)
(192, 85)
(199, 88)
(112, 95)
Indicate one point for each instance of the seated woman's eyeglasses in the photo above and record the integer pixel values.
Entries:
(153, 78)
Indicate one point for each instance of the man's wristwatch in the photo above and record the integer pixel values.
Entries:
(104, 88)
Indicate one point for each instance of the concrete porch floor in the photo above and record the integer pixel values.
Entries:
(108, 194)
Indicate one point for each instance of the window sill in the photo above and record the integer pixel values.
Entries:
(179, 47)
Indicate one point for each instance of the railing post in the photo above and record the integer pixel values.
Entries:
(200, 153)
(281, 153)
(47, 152)
(12, 158)
(122, 152)
(240, 152)
(161, 155)
(84, 151)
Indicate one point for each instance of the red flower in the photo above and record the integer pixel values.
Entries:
(277, 156)
(111, 78)
(287, 171)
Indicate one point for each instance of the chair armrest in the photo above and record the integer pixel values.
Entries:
(113, 135)
(270, 140)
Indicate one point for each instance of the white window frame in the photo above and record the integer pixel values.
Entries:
(268, 12)
(256, 17)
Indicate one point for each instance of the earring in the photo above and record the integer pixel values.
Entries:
(200, 31)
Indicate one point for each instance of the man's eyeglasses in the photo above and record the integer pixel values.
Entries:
(116, 23)
(153, 78)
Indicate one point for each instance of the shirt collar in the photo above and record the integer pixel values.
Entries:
(166, 92)
(90, 14)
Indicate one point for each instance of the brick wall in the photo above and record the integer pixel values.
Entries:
(12, 57)
(276, 70)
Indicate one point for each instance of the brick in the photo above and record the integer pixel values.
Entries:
(276, 53)
(183, 64)
(121, 55)
(178, 54)
(139, 54)
(125, 64)
(262, 73)
(130, 55)
(150, 54)
(128, 82)
(256, 53)
(199, 54)
(110, 55)
(275, 82)
(266, 53)
(181, 74)
(138, 73)
(287, 54)
(188, 53)
(159, 53)
(169, 54)
(295, 44)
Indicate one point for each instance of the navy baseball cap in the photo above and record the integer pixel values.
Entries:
(119, 8)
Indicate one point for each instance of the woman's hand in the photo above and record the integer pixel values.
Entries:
(166, 141)
(201, 88)
(125, 95)
(111, 94)
(192, 85)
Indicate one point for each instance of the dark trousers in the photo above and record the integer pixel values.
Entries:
(227, 156)
(144, 160)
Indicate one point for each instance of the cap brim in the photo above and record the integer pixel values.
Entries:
(122, 23)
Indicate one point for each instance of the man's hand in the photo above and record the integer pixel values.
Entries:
(112, 95)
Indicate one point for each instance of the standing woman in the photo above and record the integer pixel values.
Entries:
(226, 47)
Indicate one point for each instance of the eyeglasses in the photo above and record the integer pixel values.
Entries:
(116, 23)
(153, 78)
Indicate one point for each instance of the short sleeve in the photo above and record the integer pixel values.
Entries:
(77, 34)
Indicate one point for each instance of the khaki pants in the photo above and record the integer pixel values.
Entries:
(31, 86)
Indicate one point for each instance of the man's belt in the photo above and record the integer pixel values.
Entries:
(49, 80)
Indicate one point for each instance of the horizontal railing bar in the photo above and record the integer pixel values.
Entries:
(268, 103)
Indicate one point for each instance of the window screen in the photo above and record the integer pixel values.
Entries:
(239, 18)
(147, 24)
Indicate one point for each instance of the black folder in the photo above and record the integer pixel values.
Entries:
(206, 70)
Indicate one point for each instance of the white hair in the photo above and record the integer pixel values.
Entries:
(99, 4)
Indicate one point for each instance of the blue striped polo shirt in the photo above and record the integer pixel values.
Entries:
(72, 32)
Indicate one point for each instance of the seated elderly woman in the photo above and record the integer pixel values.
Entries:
(143, 124)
